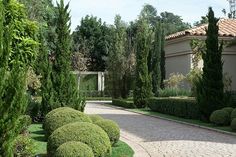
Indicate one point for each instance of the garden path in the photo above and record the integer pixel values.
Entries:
(149, 136)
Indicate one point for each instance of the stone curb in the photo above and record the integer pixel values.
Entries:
(176, 121)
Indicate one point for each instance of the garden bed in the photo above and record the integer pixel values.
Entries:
(121, 149)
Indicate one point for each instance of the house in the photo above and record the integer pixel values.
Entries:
(179, 52)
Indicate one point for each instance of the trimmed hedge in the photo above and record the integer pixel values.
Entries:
(220, 117)
(233, 124)
(111, 128)
(74, 149)
(95, 117)
(64, 117)
(180, 107)
(123, 103)
(88, 133)
(228, 109)
(233, 114)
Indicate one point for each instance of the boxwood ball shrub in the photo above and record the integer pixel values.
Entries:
(220, 117)
(95, 117)
(228, 109)
(111, 128)
(54, 111)
(233, 124)
(88, 133)
(74, 149)
(64, 117)
(233, 114)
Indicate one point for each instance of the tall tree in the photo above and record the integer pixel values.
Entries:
(210, 94)
(149, 13)
(163, 62)
(116, 59)
(90, 39)
(156, 69)
(64, 82)
(173, 23)
(143, 83)
(17, 52)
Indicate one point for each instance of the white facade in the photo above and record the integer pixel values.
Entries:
(179, 58)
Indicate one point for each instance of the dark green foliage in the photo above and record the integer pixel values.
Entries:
(173, 23)
(74, 149)
(95, 117)
(87, 133)
(180, 107)
(233, 124)
(220, 117)
(91, 38)
(63, 117)
(163, 60)
(233, 114)
(210, 94)
(143, 81)
(228, 109)
(111, 128)
(123, 103)
(24, 147)
(33, 109)
(156, 59)
(17, 52)
(64, 82)
(23, 123)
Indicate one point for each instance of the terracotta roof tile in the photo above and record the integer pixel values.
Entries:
(227, 28)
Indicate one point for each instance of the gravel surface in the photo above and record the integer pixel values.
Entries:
(155, 137)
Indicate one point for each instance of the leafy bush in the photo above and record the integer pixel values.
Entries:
(23, 147)
(174, 80)
(74, 149)
(33, 109)
(23, 123)
(228, 109)
(233, 124)
(220, 117)
(233, 114)
(88, 133)
(111, 128)
(95, 117)
(64, 117)
(180, 107)
(123, 103)
(170, 92)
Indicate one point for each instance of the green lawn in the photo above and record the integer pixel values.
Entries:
(121, 149)
(191, 121)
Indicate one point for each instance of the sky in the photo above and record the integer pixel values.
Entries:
(190, 10)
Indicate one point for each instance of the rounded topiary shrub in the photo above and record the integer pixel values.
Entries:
(233, 124)
(233, 114)
(220, 117)
(88, 133)
(74, 149)
(228, 109)
(111, 128)
(64, 117)
(95, 117)
(54, 111)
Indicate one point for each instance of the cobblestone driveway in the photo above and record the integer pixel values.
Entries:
(161, 138)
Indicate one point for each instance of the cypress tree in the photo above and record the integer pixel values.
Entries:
(163, 62)
(210, 94)
(45, 69)
(143, 83)
(64, 82)
(13, 68)
(156, 75)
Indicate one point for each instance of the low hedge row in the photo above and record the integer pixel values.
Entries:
(123, 103)
(180, 107)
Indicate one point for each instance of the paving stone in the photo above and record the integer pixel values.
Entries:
(155, 137)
